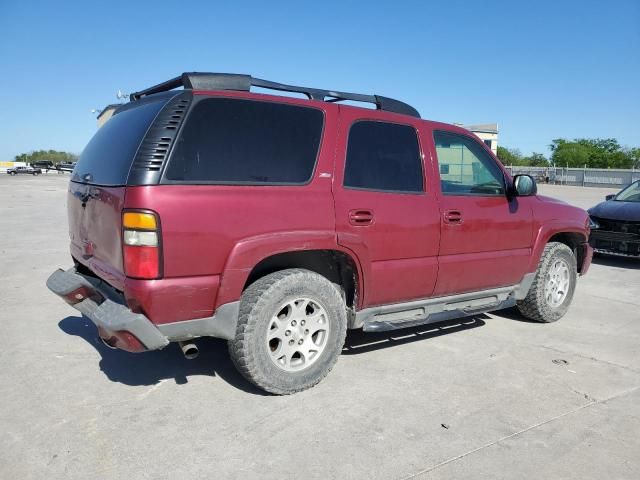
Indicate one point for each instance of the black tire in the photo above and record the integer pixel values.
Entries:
(535, 306)
(249, 350)
(12, 173)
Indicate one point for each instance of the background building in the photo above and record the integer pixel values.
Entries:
(107, 113)
(488, 133)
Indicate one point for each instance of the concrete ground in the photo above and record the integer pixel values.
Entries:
(492, 396)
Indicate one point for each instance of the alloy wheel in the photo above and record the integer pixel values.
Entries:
(297, 334)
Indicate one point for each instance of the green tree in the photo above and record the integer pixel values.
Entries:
(512, 156)
(556, 143)
(53, 155)
(536, 160)
(594, 153)
(569, 154)
(509, 156)
(634, 156)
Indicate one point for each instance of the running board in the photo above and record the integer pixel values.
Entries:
(420, 312)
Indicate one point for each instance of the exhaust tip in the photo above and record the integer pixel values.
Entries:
(109, 343)
(189, 350)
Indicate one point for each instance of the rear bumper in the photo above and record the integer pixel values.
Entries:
(122, 328)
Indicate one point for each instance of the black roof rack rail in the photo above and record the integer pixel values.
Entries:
(233, 81)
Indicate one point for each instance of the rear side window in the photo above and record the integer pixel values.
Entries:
(383, 156)
(233, 141)
(107, 158)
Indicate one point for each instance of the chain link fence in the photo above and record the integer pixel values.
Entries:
(585, 177)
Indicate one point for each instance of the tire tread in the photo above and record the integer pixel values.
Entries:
(253, 300)
(533, 305)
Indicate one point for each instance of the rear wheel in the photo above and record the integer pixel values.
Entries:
(12, 173)
(291, 329)
(552, 290)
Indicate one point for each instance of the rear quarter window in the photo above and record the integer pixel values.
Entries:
(107, 158)
(236, 141)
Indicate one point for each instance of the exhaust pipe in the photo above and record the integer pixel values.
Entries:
(107, 344)
(189, 350)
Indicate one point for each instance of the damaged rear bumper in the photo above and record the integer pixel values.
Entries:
(122, 328)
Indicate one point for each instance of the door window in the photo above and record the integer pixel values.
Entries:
(383, 157)
(465, 167)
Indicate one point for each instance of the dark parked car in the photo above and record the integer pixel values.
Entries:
(45, 164)
(24, 171)
(278, 223)
(615, 223)
(66, 166)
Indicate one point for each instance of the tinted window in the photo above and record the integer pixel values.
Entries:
(465, 167)
(108, 156)
(383, 156)
(245, 141)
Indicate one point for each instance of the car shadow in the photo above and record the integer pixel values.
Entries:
(358, 341)
(512, 313)
(149, 368)
(617, 262)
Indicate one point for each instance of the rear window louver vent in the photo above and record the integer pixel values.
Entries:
(156, 145)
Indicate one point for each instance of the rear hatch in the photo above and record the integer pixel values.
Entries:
(98, 186)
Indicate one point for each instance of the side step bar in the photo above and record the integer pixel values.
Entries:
(431, 310)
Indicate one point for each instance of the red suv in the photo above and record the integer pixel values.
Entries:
(278, 223)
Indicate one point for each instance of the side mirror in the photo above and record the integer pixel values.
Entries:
(524, 186)
(610, 197)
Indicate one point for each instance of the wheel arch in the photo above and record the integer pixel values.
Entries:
(574, 241)
(573, 236)
(335, 265)
(315, 251)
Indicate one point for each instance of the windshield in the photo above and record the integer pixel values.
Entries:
(630, 194)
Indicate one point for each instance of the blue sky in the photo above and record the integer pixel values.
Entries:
(542, 70)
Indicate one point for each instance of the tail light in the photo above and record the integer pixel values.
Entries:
(142, 248)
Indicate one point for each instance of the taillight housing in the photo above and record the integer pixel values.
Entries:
(141, 244)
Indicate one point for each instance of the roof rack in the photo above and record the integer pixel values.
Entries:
(233, 81)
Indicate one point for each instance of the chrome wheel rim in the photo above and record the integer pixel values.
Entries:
(297, 334)
(557, 282)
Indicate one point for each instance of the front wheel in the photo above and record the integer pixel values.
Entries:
(12, 173)
(291, 329)
(553, 287)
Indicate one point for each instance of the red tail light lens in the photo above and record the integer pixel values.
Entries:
(141, 245)
(141, 262)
